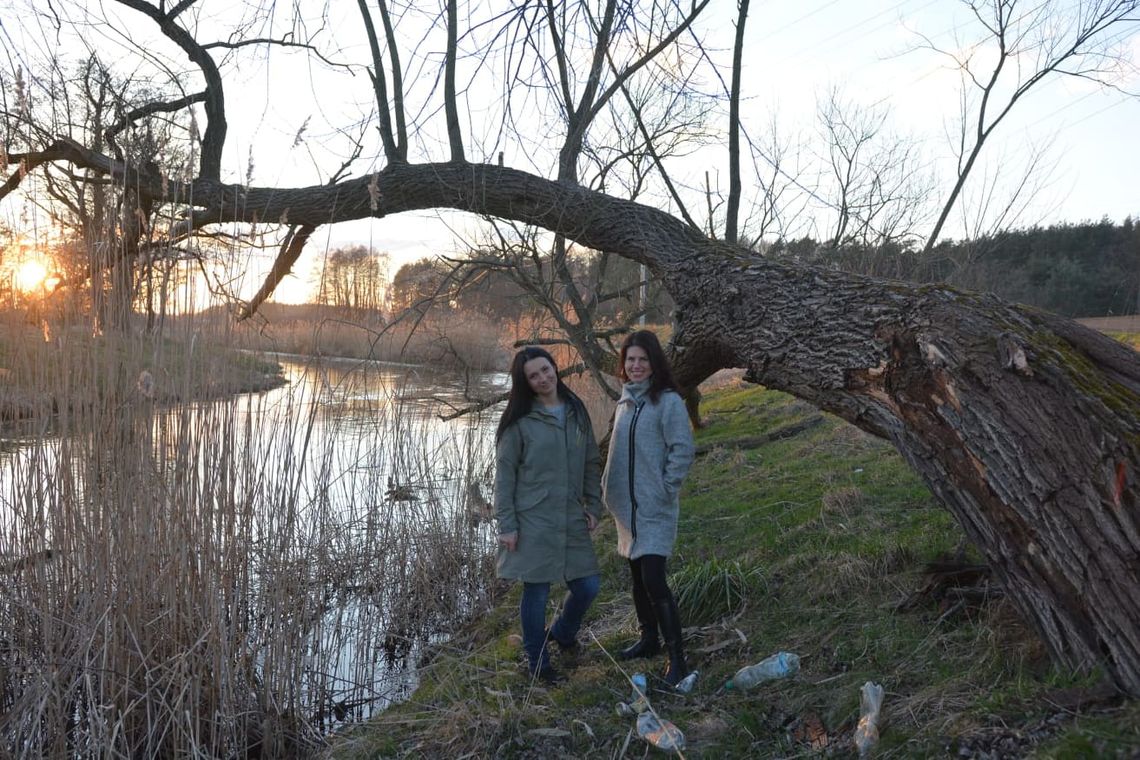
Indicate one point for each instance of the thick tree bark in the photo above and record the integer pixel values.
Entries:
(1025, 425)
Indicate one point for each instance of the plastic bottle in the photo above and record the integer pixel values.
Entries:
(639, 700)
(779, 665)
(867, 732)
(659, 732)
(686, 684)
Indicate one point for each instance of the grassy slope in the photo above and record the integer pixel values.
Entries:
(805, 544)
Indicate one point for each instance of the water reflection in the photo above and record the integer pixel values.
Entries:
(307, 542)
(397, 501)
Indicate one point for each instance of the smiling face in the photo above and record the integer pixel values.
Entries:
(542, 379)
(637, 366)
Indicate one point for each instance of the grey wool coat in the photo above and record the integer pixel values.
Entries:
(546, 474)
(651, 448)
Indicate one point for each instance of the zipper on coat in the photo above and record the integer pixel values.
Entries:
(632, 496)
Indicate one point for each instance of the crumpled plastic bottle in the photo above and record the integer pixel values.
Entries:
(686, 684)
(867, 732)
(779, 665)
(659, 732)
(639, 700)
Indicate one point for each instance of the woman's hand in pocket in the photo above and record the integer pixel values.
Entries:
(591, 521)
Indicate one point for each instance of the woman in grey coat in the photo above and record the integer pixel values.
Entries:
(651, 448)
(547, 503)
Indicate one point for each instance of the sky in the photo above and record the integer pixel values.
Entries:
(871, 51)
(282, 114)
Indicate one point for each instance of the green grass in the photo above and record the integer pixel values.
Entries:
(1127, 338)
(716, 589)
(806, 544)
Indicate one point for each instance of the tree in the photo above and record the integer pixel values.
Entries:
(418, 282)
(1024, 424)
(103, 226)
(585, 69)
(1025, 44)
(875, 181)
(354, 278)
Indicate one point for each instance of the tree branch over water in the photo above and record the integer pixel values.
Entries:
(1026, 426)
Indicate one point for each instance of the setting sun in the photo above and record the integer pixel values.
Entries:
(31, 275)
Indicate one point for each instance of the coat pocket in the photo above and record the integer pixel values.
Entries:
(529, 499)
(656, 490)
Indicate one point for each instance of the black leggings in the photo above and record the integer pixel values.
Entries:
(648, 572)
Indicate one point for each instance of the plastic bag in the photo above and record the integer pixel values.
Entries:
(867, 732)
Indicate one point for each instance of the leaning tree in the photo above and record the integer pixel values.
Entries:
(1026, 426)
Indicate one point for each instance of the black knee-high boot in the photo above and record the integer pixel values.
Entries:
(648, 645)
(669, 618)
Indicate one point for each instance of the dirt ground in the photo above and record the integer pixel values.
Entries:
(1129, 323)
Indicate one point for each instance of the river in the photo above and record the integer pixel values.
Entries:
(301, 546)
(377, 448)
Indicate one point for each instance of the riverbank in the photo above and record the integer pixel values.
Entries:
(452, 340)
(813, 538)
(41, 371)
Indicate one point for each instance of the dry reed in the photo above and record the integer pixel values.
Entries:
(225, 578)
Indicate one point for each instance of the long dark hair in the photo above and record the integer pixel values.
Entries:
(521, 397)
(662, 378)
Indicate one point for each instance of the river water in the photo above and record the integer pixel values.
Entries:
(378, 449)
(337, 523)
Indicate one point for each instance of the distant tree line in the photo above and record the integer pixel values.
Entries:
(354, 277)
(1086, 269)
(610, 284)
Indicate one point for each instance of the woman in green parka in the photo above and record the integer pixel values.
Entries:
(547, 503)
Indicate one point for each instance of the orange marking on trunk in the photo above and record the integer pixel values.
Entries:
(1120, 473)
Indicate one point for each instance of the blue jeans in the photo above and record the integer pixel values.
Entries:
(532, 610)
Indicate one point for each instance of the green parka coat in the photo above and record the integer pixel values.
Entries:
(546, 474)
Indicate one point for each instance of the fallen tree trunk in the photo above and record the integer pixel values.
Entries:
(1023, 424)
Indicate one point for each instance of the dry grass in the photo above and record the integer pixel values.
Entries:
(1125, 329)
(1122, 324)
(451, 340)
(217, 579)
(843, 501)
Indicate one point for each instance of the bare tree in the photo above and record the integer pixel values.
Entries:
(1025, 425)
(649, 117)
(732, 214)
(91, 105)
(1026, 43)
(876, 185)
(781, 202)
(354, 277)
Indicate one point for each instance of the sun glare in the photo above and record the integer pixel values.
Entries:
(31, 276)
(293, 290)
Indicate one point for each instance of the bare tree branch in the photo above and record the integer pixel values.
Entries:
(454, 136)
(214, 138)
(1039, 34)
